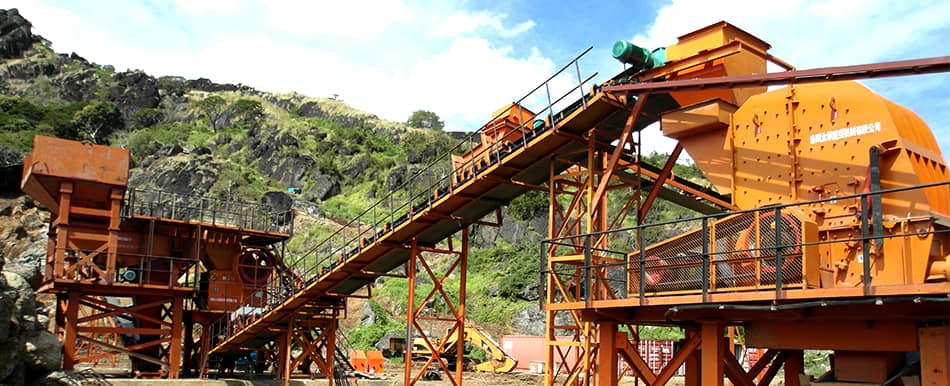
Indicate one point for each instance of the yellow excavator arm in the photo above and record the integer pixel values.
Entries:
(498, 360)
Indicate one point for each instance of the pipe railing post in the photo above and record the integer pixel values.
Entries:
(779, 260)
(587, 276)
(875, 211)
(580, 82)
(542, 283)
(643, 261)
(706, 259)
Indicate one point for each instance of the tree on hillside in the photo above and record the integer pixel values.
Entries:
(147, 117)
(425, 119)
(247, 111)
(214, 108)
(97, 120)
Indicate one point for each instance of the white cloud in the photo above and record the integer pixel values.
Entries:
(205, 7)
(469, 80)
(466, 22)
(357, 19)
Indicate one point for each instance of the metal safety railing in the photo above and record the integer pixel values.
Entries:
(194, 208)
(249, 303)
(745, 250)
(440, 178)
(131, 269)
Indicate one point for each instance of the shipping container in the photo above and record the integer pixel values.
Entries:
(528, 349)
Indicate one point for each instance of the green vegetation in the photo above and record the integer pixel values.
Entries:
(365, 337)
(528, 205)
(247, 111)
(213, 108)
(96, 121)
(147, 117)
(661, 333)
(425, 119)
(22, 118)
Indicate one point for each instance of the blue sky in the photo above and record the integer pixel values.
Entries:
(463, 59)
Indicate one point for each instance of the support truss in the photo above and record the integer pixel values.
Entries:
(579, 273)
(420, 262)
(148, 331)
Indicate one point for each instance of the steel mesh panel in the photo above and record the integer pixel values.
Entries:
(742, 254)
(731, 261)
(789, 246)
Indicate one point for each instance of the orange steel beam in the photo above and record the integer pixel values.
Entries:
(762, 363)
(935, 355)
(456, 309)
(712, 352)
(633, 358)
(71, 325)
(773, 368)
(856, 335)
(607, 346)
(658, 184)
(794, 365)
(691, 344)
(684, 188)
(122, 350)
(826, 74)
(625, 137)
(729, 49)
(733, 368)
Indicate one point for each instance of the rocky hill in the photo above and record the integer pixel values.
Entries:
(231, 141)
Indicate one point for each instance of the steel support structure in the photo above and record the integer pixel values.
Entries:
(307, 344)
(578, 204)
(93, 329)
(571, 273)
(454, 256)
(98, 317)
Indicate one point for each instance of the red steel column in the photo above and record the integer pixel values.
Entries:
(72, 321)
(712, 353)
(934, 355)
(607, 353)
(174, 347)
(794, 365)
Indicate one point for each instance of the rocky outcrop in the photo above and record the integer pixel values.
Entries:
(367, 315)
(32, 351)
(134, 90)
(181, 173)
(23, 229)
(356, 165)
(277, 156)
(279, 205)
(205, 84)
(31, 69)
(311, 109)
(78, 86)
(529, 321)
(11, 166)
(15, 34)
(324, 187)
(27, 350)
(514, 231)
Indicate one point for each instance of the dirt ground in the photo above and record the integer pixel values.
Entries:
(471, 378)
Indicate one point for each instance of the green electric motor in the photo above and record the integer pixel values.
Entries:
(638, 57)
